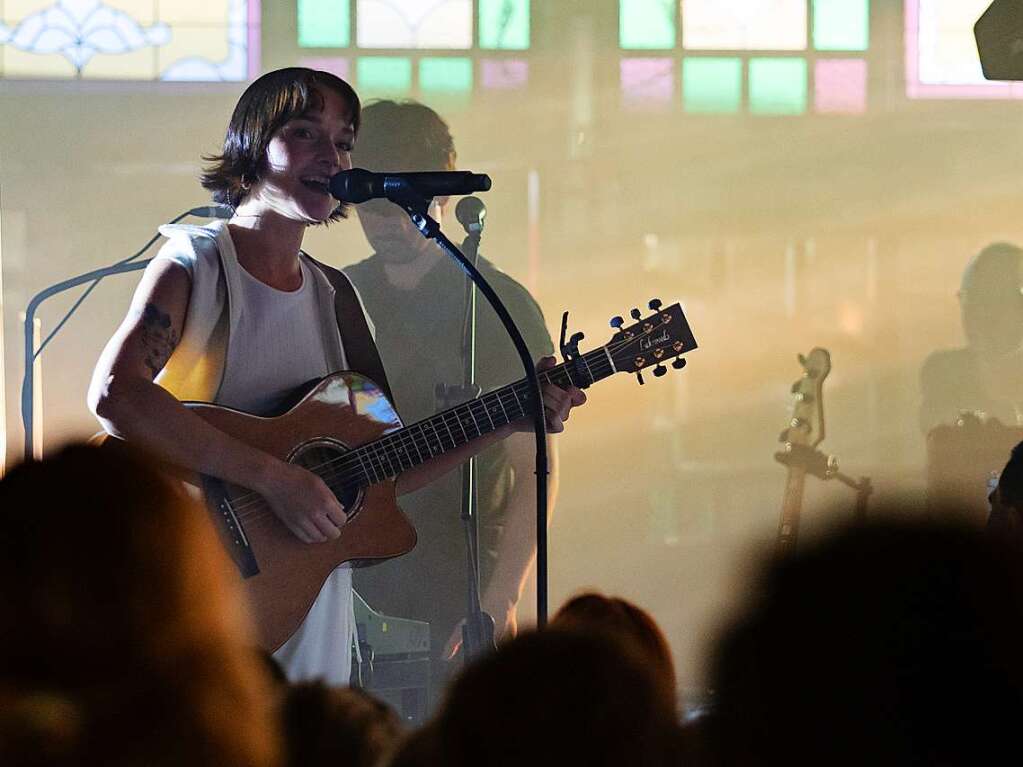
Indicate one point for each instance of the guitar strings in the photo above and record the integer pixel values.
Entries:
(378, 450)
(408, 438)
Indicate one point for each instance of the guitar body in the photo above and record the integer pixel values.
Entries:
(282, 574)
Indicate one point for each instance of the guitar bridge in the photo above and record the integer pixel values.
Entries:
(232, 534)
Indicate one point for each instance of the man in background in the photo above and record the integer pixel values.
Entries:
(416, 296)
(986, 375)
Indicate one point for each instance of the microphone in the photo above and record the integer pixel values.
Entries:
(470, 213)
(212, 211)
(358, 185)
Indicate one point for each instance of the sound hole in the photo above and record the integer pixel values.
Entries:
(326, 459)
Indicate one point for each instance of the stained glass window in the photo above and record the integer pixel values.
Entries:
(941, 52)
(445, 75)
(433, 24)
(840, 86)
(324, 23)
(647, 24)
(504, 24)
(777, 86)
(841, 25)
(711, 84)
(504, 74)
(737, 25)
(199, 40)
(384, 75)
(647, 83)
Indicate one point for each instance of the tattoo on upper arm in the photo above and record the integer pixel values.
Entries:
(158, 337)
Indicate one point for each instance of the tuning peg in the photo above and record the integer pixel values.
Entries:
(640, 377)
(617, 322)
(655, 304)
(679, 363)
(636, 314)
(660, 370)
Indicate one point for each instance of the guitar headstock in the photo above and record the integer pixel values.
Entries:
(664, 335)
(806, 427)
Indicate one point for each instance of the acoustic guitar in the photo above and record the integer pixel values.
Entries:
(347, 432)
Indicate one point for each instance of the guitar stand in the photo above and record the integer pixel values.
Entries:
(825, 467)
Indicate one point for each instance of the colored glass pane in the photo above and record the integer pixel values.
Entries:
(414, 23)
(450, 74)
(840, 86)
(841, 25)
(777, 86)
(337, 65)
(324, 23)
(941, 53)
(121, 39)
(647, 24)
(504, 24)
(383, 75)
(711, 84)
(647, 83)
(948, 49)
(735, 25)
(504, 74)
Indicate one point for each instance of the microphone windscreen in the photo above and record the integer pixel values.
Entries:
(470, 211)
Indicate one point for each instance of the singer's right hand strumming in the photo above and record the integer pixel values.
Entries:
(303, 502)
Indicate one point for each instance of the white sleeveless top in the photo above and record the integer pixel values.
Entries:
(277, 344)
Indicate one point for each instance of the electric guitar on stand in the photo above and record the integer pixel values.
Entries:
(802, 435)
(347, 432)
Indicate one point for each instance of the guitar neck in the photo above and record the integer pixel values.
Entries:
(792, 506)
(413, 445)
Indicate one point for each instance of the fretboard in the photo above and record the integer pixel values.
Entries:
(413, 445)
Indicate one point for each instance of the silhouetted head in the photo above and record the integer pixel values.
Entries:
(400, 136)
(328, 726)
(624, 622)
(555, 698)
(990, 300)
(125, 639)
(895, 643)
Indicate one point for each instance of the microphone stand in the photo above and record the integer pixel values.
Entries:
(478, 629)
(128, 264)
(417, 208)
(28, 382)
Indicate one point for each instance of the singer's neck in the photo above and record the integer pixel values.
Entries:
(267, 245)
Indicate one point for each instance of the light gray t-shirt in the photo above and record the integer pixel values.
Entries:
(278, 345)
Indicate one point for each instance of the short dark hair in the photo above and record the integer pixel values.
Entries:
(263, 109)
(403, 135)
